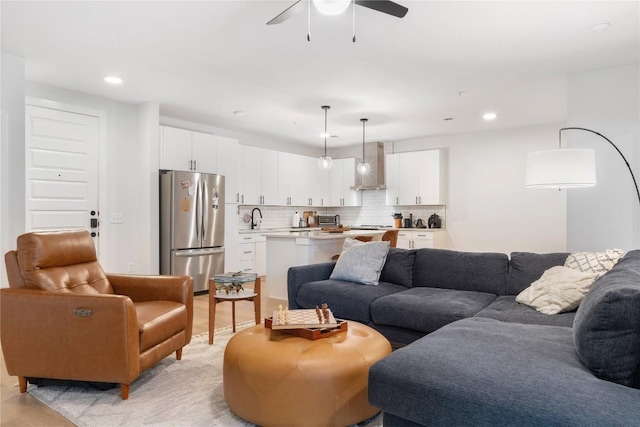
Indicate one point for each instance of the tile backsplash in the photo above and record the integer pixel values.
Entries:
(373, 211)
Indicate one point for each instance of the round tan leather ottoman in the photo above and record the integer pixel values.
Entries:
(283, 380)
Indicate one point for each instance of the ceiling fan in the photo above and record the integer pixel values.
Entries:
(336, 7)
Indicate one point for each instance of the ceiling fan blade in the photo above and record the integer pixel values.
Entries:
(384, 6)
(292, 10)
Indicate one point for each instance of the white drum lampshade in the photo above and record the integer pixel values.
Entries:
(563, 168)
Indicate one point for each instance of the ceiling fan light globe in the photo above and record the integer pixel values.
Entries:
(325, 163)
(363, 168)
(331, 7)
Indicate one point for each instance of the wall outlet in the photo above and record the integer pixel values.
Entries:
(130, 268)
(117, 218)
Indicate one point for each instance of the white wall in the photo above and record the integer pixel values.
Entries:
(126, 184)
(607, 215)
(489, 208)
(12, 182)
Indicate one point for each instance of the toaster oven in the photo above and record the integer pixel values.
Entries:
(328, 220)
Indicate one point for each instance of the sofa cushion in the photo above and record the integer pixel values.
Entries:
(347, 300)
(464, 271)
(361, 262)
(427, 309)
(525, 268)
(398, 268)
(607, 324)
(482, 372)
(506, 309)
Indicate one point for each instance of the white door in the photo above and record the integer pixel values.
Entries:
(61, 170)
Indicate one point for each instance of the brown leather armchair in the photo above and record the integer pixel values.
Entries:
(64, 318)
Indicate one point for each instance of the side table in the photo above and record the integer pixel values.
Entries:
(224, 287)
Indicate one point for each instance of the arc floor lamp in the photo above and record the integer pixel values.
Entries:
(568, 167)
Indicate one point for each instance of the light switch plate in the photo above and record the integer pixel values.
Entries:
(117, 218)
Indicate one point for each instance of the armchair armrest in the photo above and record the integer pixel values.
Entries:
(297, 276)
(156, 288)
(69, 336)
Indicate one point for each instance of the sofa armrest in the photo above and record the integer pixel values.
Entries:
(297, 276)
(69, 336)
(157, 288)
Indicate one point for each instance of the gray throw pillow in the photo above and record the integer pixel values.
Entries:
(361, 262)
(606, 329)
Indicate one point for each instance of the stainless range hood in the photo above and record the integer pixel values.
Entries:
(374, 155)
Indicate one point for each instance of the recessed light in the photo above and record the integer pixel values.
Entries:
(601, 27)
(113, 80)
(240, 113)
(489, 116)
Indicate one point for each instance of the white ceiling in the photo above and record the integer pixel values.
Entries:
(203, 60)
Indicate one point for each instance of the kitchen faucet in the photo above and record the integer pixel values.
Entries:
(253, 224)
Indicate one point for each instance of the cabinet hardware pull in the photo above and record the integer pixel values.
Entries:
(195, 165)
(237, 197)
(397, 201)
(243, 198)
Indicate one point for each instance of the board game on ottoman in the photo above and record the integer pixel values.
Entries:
(272, 378)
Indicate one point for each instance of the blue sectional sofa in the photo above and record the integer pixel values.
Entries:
(471, 355)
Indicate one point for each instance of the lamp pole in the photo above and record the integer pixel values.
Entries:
(635, 183)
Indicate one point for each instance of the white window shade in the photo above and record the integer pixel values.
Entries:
(561, 168)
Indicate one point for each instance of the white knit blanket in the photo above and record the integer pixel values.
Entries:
(559, 289)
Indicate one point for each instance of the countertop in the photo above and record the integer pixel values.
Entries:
(320, 235)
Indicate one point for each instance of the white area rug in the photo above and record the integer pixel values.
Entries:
(172, 393)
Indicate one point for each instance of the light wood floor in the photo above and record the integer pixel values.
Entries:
(18, 409)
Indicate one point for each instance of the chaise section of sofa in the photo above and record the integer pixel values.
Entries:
(484, 372)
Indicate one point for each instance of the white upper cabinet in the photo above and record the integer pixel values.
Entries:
(392, 178)
(259, 176)
(187, 151)
(313, 183)
(230, 165)
(289, 179)
(269, 177)
(341, 179)
(416, 178)
(251, 187)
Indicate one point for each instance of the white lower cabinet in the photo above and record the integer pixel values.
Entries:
(418, 239)
(252, 254)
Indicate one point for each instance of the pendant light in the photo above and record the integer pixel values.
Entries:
(325, 162)
(363, 167)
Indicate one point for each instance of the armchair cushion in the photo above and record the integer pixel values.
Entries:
(158, 320)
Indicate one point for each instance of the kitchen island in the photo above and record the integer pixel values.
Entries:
(288, 249)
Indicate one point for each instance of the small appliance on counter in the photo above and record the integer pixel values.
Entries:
(328, 220)
(434, 221)
(407, 222)
(420, 223)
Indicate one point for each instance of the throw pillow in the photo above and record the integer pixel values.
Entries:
(361, 262)
(559, 289)
(606, 329)
(594, 262)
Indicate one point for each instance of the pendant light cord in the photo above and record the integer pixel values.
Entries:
(325, 108)
(363, 122)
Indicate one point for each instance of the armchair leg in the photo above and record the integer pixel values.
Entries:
(22, 381)
(124, 391)
(179, 353)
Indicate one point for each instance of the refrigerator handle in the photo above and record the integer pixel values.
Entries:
(205, 209)
(198, 212)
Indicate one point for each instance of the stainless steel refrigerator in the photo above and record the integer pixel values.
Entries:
(192, 225)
